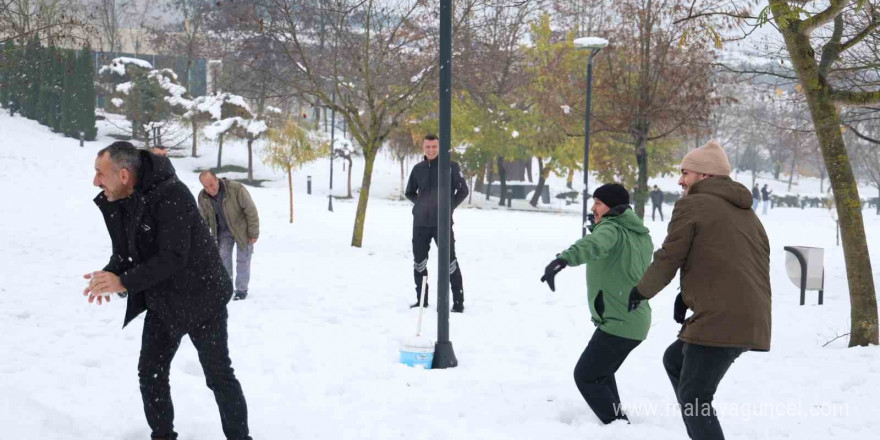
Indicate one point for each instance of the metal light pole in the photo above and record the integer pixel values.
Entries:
(332, 148)
(594, 45)
(444, 355)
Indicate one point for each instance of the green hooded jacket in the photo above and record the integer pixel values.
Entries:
(617, 253)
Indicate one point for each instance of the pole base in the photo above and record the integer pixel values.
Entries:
(444, 355)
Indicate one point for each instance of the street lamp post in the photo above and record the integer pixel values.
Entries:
(332, 148)
(594, 45)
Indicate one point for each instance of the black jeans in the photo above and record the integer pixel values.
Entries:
(594, 373)
(655, 209)
(695, 372)
(158, 347)
(421, 244)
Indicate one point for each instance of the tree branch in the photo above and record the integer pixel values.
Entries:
(834, 9)
(862, 136)
(846, 97)
(831, 50)
(861, 35)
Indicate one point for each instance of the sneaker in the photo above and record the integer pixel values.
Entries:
(239, 295)
(417, 304)
(458, 307)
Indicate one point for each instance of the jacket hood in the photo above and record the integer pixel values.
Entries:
(155, 170)
(733, 192)
(625, 217)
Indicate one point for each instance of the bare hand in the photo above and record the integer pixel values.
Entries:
(101, 286)
(252, 240)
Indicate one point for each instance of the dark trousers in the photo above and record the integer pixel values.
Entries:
(695, 372)
(657, 207)
(594, 373)
(158, 347)
(421, 244)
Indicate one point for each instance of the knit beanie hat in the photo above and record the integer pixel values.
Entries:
(612, 194)
(709, 159)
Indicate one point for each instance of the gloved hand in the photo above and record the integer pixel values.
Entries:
(679, 310)
(635, 298)
(551, 270)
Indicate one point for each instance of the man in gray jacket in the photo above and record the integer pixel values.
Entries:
(232, 217)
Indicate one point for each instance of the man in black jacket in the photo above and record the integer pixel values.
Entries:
(166, 260)
(657, 202)
(423, 191)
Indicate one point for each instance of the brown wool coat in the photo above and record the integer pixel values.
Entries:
(720, 246)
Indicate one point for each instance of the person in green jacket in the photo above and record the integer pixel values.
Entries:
(617, 253)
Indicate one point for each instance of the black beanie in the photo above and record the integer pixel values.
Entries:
(612, 194)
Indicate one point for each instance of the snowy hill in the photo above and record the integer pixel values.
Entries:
(315, 344)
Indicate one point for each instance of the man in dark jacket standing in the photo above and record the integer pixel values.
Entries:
(717, 242)
(765, 195)
(657, 202)
(756, 197)
(166, 261)
(422, 190)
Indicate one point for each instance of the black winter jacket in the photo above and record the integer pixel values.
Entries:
(162, 250)
(422, 190)
(657, 197)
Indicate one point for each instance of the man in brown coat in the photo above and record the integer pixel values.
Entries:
(718, 243)
(233, 220)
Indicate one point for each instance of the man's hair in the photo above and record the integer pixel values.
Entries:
(161, 147)
(124, 155)
(431, 137)
(207, 173)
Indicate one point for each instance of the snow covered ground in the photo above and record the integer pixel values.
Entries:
(315, 344)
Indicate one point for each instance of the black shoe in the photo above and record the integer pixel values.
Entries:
(417, 304)
(458, 307)
(239, 295)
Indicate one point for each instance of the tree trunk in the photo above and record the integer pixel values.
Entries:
(481, 176)
(357, 236)
(471, 193)
(349, 177)
(250, 145)
(220, 152)
(794, 157)
(826, 120)
(569, 181)
(502, 178)
(401, 196)
(195, 127)
(878, 200)
(529, 169)
(822, 180)
(491, 170)
(542, 179)
(290, 185)
(641, 150)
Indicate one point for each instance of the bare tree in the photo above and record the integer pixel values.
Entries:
(52, 20)
(833, 52)
(377, 66)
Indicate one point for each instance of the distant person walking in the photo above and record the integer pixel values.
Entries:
(756, 197)
(657, 202)
(232, 217)
(765, 195)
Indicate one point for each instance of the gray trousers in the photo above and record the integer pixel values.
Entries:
(242, 260)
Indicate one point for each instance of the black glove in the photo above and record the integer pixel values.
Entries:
(551, 270)
(679, 310)
(635, 298)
